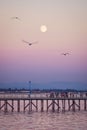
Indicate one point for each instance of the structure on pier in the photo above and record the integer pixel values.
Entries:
(43, 104)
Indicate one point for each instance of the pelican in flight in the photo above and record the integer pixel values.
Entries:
(65, 54)
(29, 43)
(17, 18)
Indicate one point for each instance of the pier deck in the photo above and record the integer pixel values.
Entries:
(43, 98)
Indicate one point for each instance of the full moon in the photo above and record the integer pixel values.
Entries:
(43, 28)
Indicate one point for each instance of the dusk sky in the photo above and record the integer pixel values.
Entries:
(66, 22)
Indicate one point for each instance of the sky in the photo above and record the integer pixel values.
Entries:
(66, 22)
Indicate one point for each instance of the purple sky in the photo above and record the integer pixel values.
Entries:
(66, 22)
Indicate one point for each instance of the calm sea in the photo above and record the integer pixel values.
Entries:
(43, 121)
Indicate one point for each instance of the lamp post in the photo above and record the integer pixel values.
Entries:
(30, 88)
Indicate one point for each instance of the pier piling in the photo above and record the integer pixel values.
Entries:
(42, 104)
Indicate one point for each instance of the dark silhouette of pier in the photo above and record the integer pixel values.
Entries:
(37, 103)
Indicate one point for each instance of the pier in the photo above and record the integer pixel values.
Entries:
(43, 104)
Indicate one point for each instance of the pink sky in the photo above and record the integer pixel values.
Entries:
(67, 32)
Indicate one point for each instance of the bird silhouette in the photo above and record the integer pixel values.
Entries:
(65, 54)
(29, 43)
(17, 18)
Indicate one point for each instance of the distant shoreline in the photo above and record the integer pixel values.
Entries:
(40, 90)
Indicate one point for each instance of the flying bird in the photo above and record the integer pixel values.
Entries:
(29, 43)
(65, 54)
(17, 18)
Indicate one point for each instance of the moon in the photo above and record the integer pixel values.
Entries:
(43, 28)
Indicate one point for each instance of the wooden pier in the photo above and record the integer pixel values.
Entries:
(42, 104)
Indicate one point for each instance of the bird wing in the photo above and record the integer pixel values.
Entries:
(26, 42)
(34, 42)
(29, 42)
(15, 18)
(18, 18)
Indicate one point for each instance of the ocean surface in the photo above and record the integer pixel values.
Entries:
(43, 121)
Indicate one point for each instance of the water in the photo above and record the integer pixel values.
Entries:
(43, 121)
